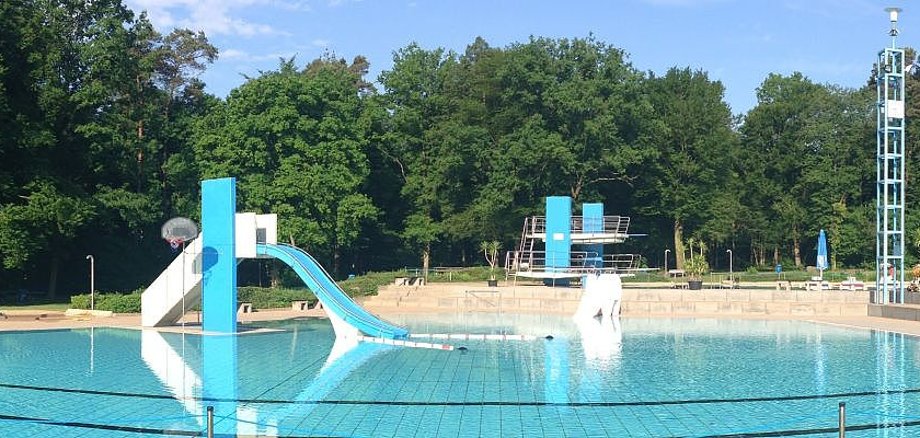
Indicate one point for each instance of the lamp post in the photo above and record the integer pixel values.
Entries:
(92, 282)
(731, 271)
(666, 251)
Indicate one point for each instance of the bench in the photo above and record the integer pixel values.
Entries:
(299, 305)
(409, 281)
(817, 285)
(852, 283)
(245, 308)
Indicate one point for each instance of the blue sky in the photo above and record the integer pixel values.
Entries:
(737, 42)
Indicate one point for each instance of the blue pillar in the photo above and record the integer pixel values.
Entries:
(558, 235)
(218, 284)
(592, 216)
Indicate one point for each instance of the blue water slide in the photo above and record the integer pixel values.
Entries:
(334, 299)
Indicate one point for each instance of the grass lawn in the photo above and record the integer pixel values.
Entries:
(43, 306)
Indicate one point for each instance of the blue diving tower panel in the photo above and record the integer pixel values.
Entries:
(558, 235)
(218, 288)
(592, 217)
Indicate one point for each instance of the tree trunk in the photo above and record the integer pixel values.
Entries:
(679, 244)
(336, 261)
(797, 251)
(775, 255)
(53, 276)
(426, 258)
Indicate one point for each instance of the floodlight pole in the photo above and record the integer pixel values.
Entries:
(92, 282)
(890, 163)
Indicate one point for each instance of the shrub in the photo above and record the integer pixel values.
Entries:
(369, 283)
(268, 298)
(113, 301)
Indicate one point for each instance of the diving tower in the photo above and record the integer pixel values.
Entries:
(546, 247)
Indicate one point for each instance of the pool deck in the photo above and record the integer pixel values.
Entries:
(17, 320)
(52, 320)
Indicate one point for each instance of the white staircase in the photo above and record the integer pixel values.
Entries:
(162, 302)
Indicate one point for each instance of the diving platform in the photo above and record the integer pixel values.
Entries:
(607, 229)
(561, 246)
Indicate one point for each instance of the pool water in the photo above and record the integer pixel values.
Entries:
(632, 378)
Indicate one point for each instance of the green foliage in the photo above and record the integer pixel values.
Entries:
(107, 132)
(297, 141)
(114, 302)
(370, 283)
(274, 298)
(490, 252)
(696, 267)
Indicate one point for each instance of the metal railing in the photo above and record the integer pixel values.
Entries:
(606, 225)
(579, 262)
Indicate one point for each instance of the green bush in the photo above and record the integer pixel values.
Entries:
(80, 301)
(115, 302)
(278, 298)
(369, 283)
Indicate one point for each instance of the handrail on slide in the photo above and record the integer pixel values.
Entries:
(332, 296)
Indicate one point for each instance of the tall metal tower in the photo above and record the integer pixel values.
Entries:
(889, 213)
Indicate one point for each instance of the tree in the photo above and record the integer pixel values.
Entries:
(694, 165)
(296, 140)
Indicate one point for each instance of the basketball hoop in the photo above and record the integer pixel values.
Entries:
(179, 230)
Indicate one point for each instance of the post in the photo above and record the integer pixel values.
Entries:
(92, 282)
(842, 420)
(666, 251)
(210, 421)
(731, 271)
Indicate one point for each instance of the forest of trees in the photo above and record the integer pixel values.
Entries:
(105, 133)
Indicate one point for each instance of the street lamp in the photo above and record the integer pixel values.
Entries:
(731, 272)
(666, 251)
(92, 282)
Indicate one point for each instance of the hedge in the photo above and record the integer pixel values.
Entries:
(115, 302)
(261, 298)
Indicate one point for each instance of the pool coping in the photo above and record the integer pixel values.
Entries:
(54, 320)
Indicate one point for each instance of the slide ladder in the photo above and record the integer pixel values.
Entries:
(348, 318)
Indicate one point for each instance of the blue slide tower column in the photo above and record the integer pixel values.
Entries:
(218, 286)
(592, 219)
(558, 235)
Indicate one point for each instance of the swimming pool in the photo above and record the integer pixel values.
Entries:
(638, 378)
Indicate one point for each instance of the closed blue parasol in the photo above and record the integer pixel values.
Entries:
(821, 263)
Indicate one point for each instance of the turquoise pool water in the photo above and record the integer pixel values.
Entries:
(639, 378)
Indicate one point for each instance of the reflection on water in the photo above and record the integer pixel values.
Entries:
(217, 357)
(299, 382)
(171, 368)
(601, 340)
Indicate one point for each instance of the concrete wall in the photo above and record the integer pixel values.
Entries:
(541, 299)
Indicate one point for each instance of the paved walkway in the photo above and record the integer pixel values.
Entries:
(50, 320)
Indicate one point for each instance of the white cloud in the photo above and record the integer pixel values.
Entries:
(214, 17)
(243, 56)
(319, 42)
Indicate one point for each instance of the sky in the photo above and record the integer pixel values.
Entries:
(738, 42)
